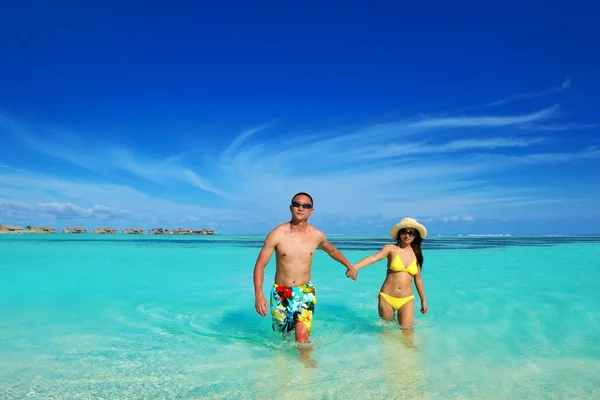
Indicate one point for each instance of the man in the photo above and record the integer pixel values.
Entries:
(293, 296)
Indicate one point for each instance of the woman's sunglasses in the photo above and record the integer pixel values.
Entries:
(409, 232)
(306, 206)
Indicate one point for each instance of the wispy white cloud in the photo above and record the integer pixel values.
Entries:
(461, 218)
(492, 143)
(522, 96)
(399, 168)
(586, 154)
(487, 121)
(349, 150)
(157, 171)
(68, 210)
(393, 150)
(442, 167)
(44, 196)
(565, 127)
(284, 151)
(243, 138)
(102, 158)
(65, 212)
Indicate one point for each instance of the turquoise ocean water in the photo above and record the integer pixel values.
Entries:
(156, 317)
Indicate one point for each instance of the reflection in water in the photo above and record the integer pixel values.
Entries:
(395, 360)
(408, 337)
(305, 351)
(291, 371)
(401, 364)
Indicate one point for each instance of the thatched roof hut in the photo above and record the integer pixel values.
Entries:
(75, 229)
(44, 229)
(10, 229)
(159, 231)
(132, 231)
(104, 231)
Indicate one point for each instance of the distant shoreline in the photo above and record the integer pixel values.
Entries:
(13, 230)
(26, 233)
(439, 235)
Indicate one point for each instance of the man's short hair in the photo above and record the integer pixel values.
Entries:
(304, 194)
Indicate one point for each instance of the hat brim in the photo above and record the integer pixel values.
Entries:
(408, 224)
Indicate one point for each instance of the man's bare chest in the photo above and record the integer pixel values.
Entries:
(300, 250)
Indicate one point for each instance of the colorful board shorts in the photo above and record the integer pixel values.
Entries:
(292, 304)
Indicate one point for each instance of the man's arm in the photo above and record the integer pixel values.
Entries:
(337, 255)
(259, 272)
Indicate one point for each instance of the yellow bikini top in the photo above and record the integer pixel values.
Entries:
(398, 266)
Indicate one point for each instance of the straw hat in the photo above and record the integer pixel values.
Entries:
(408, 223)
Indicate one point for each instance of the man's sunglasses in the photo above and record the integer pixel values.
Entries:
(306, 206)
(409, 232)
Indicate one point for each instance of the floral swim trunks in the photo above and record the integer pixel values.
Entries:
(292, 304)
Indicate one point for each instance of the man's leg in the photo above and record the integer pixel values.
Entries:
(306, 295)
(280, 318)
(304, 345)
(302, 334)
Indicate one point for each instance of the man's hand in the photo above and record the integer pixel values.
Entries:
(423, 307)
(261, 305)
(352, 272)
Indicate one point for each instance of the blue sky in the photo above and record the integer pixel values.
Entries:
(471, 118)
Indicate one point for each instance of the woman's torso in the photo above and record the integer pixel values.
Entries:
(401, 269)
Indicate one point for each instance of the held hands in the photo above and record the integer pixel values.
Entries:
(352, 273)
(261, 305)
(424, 307)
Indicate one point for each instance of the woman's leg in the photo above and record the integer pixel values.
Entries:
(406, 315)
(406, 318)
(386, 312)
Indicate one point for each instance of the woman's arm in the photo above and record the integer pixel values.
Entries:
(421, 290)
(373, 258)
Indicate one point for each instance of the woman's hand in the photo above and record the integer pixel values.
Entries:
(352, 272)
(424, 307)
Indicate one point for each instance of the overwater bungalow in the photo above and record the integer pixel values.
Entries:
(44, 229)
(203, 231)
(75, 229)
(104, 231)
(10, 229)
(132, 231)
(159, 231)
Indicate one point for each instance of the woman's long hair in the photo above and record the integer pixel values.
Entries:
(416, 246)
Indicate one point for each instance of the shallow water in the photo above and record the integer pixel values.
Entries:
(173, 317)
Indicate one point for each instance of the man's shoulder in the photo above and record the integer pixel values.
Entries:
(283, 227)
(315, 229)
(279, 229)
(316, 232)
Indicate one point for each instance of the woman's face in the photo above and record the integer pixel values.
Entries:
(407, 235)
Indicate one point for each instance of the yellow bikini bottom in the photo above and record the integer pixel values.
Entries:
(396, 302)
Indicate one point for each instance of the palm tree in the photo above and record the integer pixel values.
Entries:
(28, 227)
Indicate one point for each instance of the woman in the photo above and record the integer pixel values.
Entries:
(404, 262)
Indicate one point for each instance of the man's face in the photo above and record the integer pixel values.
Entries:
(301, 207)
